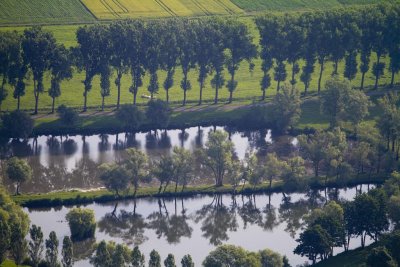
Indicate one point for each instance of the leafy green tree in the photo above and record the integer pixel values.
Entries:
(155, 259)
(67, 252)
(203, 50)
(88, 55)
(183, 164)
(81, 223)
(170, 261)
(105, 74)
(18, 244)
(187, 261)
(270, 258)
(119, 59)
(239, 44)
(380, 257)
(314, 243)
(187, 54)
(37, 46)
(130, 116)
(17, 124)
(296, 37)
(18, 171)
(115, 178)
(170, 52)
(52, 250)
(4, 234)
(217, 155)
(152, 54)
(273, 167)
(36, 245)
(136, 54)
(68, 116)
(229, 255)
(137, 166)
(286, 107)
(137, 258)
(158, 113)
(9, 59)
(217, 57)
(164, 171)
(61, 69)
(394, 210)
(102, 257)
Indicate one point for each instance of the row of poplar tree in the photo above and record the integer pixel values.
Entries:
(208, 45)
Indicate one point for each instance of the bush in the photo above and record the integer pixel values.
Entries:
(380, 257)
(130, 116)
(68, 116)
(81, 223)
(17, 124)
(158, 113)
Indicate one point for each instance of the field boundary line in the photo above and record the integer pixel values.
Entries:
(166, 8)
(219, 2)
(201, 7)
(121, 6)
(88, 10)
(109, 8)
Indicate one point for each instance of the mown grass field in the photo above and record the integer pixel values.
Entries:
(290, 5)
(248, 87)
(117, 9)
(14, 12)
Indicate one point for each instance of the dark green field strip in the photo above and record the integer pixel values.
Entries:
(287, 5)
(13, 12)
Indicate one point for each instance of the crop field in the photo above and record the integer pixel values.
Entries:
(14, 12)
(290, 5)
(115, 9)
(248, 87)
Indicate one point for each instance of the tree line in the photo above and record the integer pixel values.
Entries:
(208, 45)
(368, 215)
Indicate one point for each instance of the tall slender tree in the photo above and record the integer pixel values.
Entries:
(217, 44)
(37, 46)
(153, 54)
(239, 44)
(60, 68)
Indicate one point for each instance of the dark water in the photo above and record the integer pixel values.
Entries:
(197, 225)
(67, 162)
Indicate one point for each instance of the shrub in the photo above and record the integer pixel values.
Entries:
(81, 223)
(130, 117)
(17, 124)
(68, 116)
(158, 113)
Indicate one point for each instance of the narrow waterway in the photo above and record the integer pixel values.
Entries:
(197, 225)
(67, 162)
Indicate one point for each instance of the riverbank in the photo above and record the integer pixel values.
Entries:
(76, 197)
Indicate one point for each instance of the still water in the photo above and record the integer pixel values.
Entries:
(67, 162)
(197, 225)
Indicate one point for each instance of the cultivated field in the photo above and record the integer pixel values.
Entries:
(290, 5)
(248, 87)
(116, 9)
(14, 12)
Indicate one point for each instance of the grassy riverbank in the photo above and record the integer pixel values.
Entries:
(76, 197)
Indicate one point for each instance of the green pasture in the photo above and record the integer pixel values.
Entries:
(248, 87)
(14, 12)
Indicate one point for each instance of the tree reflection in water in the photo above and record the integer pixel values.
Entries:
(129, 226)
(173, 227)
(216, 220)
(249, 212)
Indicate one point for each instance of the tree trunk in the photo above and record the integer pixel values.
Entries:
(36, 102)
(230, 97)
(278, 86)
(377, 74)
(184, 97)
(305, 89)
(263, 95)
(216, 95)
(85, 101)
(335, 72)
(320, 76)
(18, 102)
(167, 95)
(201, 92)
(362, 80)
(102, 104)
(231, 90)
(293, 81)
(392, 79)
(119, 90)
(134, 97)
(52, 104)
